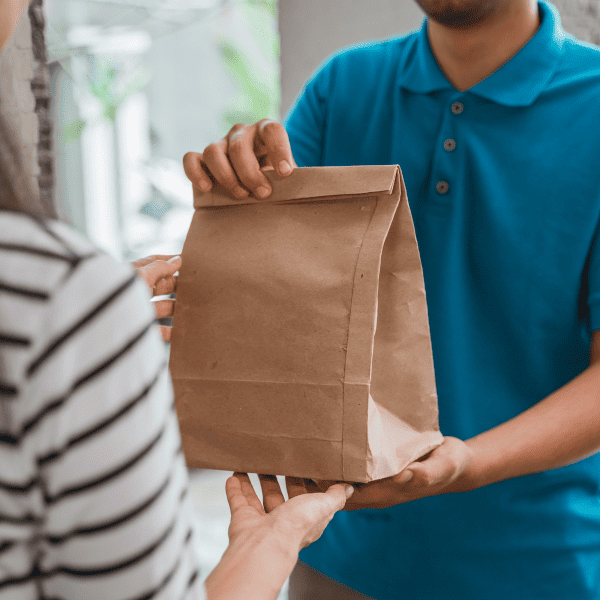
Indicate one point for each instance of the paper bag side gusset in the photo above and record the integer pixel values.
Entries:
(388, 439)
(361, 332)
(402, 382)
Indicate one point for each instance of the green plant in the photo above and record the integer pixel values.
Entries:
(256, 76)
(110, 86)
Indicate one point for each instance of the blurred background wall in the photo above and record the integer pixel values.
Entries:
(312, 29)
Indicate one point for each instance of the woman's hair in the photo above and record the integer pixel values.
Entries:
(16, 190)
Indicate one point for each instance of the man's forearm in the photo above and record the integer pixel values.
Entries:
(561, 429)
(253, 568)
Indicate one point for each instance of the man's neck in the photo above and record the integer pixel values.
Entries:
(467, 56)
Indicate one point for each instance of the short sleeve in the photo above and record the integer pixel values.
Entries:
(307, 119)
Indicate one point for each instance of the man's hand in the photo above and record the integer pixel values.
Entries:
(158, 272)
(237, 161)
(444, 470)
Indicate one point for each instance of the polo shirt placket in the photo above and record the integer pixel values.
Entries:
(446, 158)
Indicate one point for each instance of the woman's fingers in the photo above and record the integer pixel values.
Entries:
(165, 332)
(295, 486)
(272, 494)
(339, 493)
(142, 262)
(153, 272)
(165, 286)
(235, 497)
(325, 506)
(164, 308)
(247, 490)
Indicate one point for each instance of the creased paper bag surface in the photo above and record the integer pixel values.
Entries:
(300, 338)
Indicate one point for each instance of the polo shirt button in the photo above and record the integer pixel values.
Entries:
(457, 108)
(442, 187)
(449, 145)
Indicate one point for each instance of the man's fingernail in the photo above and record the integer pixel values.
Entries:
(284, 167)
(174, 259)
(349, 491)
(405, 477)
(205, 186)
(240, 192)
(262, 191)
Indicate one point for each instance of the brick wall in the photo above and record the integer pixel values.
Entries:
(40, 89)
(25, 99)
(17, 103)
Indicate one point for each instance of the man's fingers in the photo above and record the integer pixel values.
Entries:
(235, 162)
(442, 466)
(193, 166)
(272, 494)
(432, 471)
(277, 144)
(244, 161)
(217, 161)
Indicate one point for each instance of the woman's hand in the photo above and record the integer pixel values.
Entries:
(158, 272)
(301, 520)
(444, 470)
(264, 541)
(237, 161)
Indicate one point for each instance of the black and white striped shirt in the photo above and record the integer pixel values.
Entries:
(93, 483)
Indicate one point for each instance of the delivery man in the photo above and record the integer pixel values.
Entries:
(493, 113)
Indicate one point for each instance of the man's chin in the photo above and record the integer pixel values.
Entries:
(459, 14)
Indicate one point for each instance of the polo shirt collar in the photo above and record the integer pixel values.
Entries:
(518, 82)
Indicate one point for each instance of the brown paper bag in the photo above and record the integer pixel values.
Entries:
(300, 340)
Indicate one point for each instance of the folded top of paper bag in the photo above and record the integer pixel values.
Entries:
(311, 182)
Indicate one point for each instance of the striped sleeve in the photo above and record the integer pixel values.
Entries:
(96, 506)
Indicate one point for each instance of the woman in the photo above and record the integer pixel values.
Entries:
(93, 483)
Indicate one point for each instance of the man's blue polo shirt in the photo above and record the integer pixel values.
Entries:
(504, 185)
